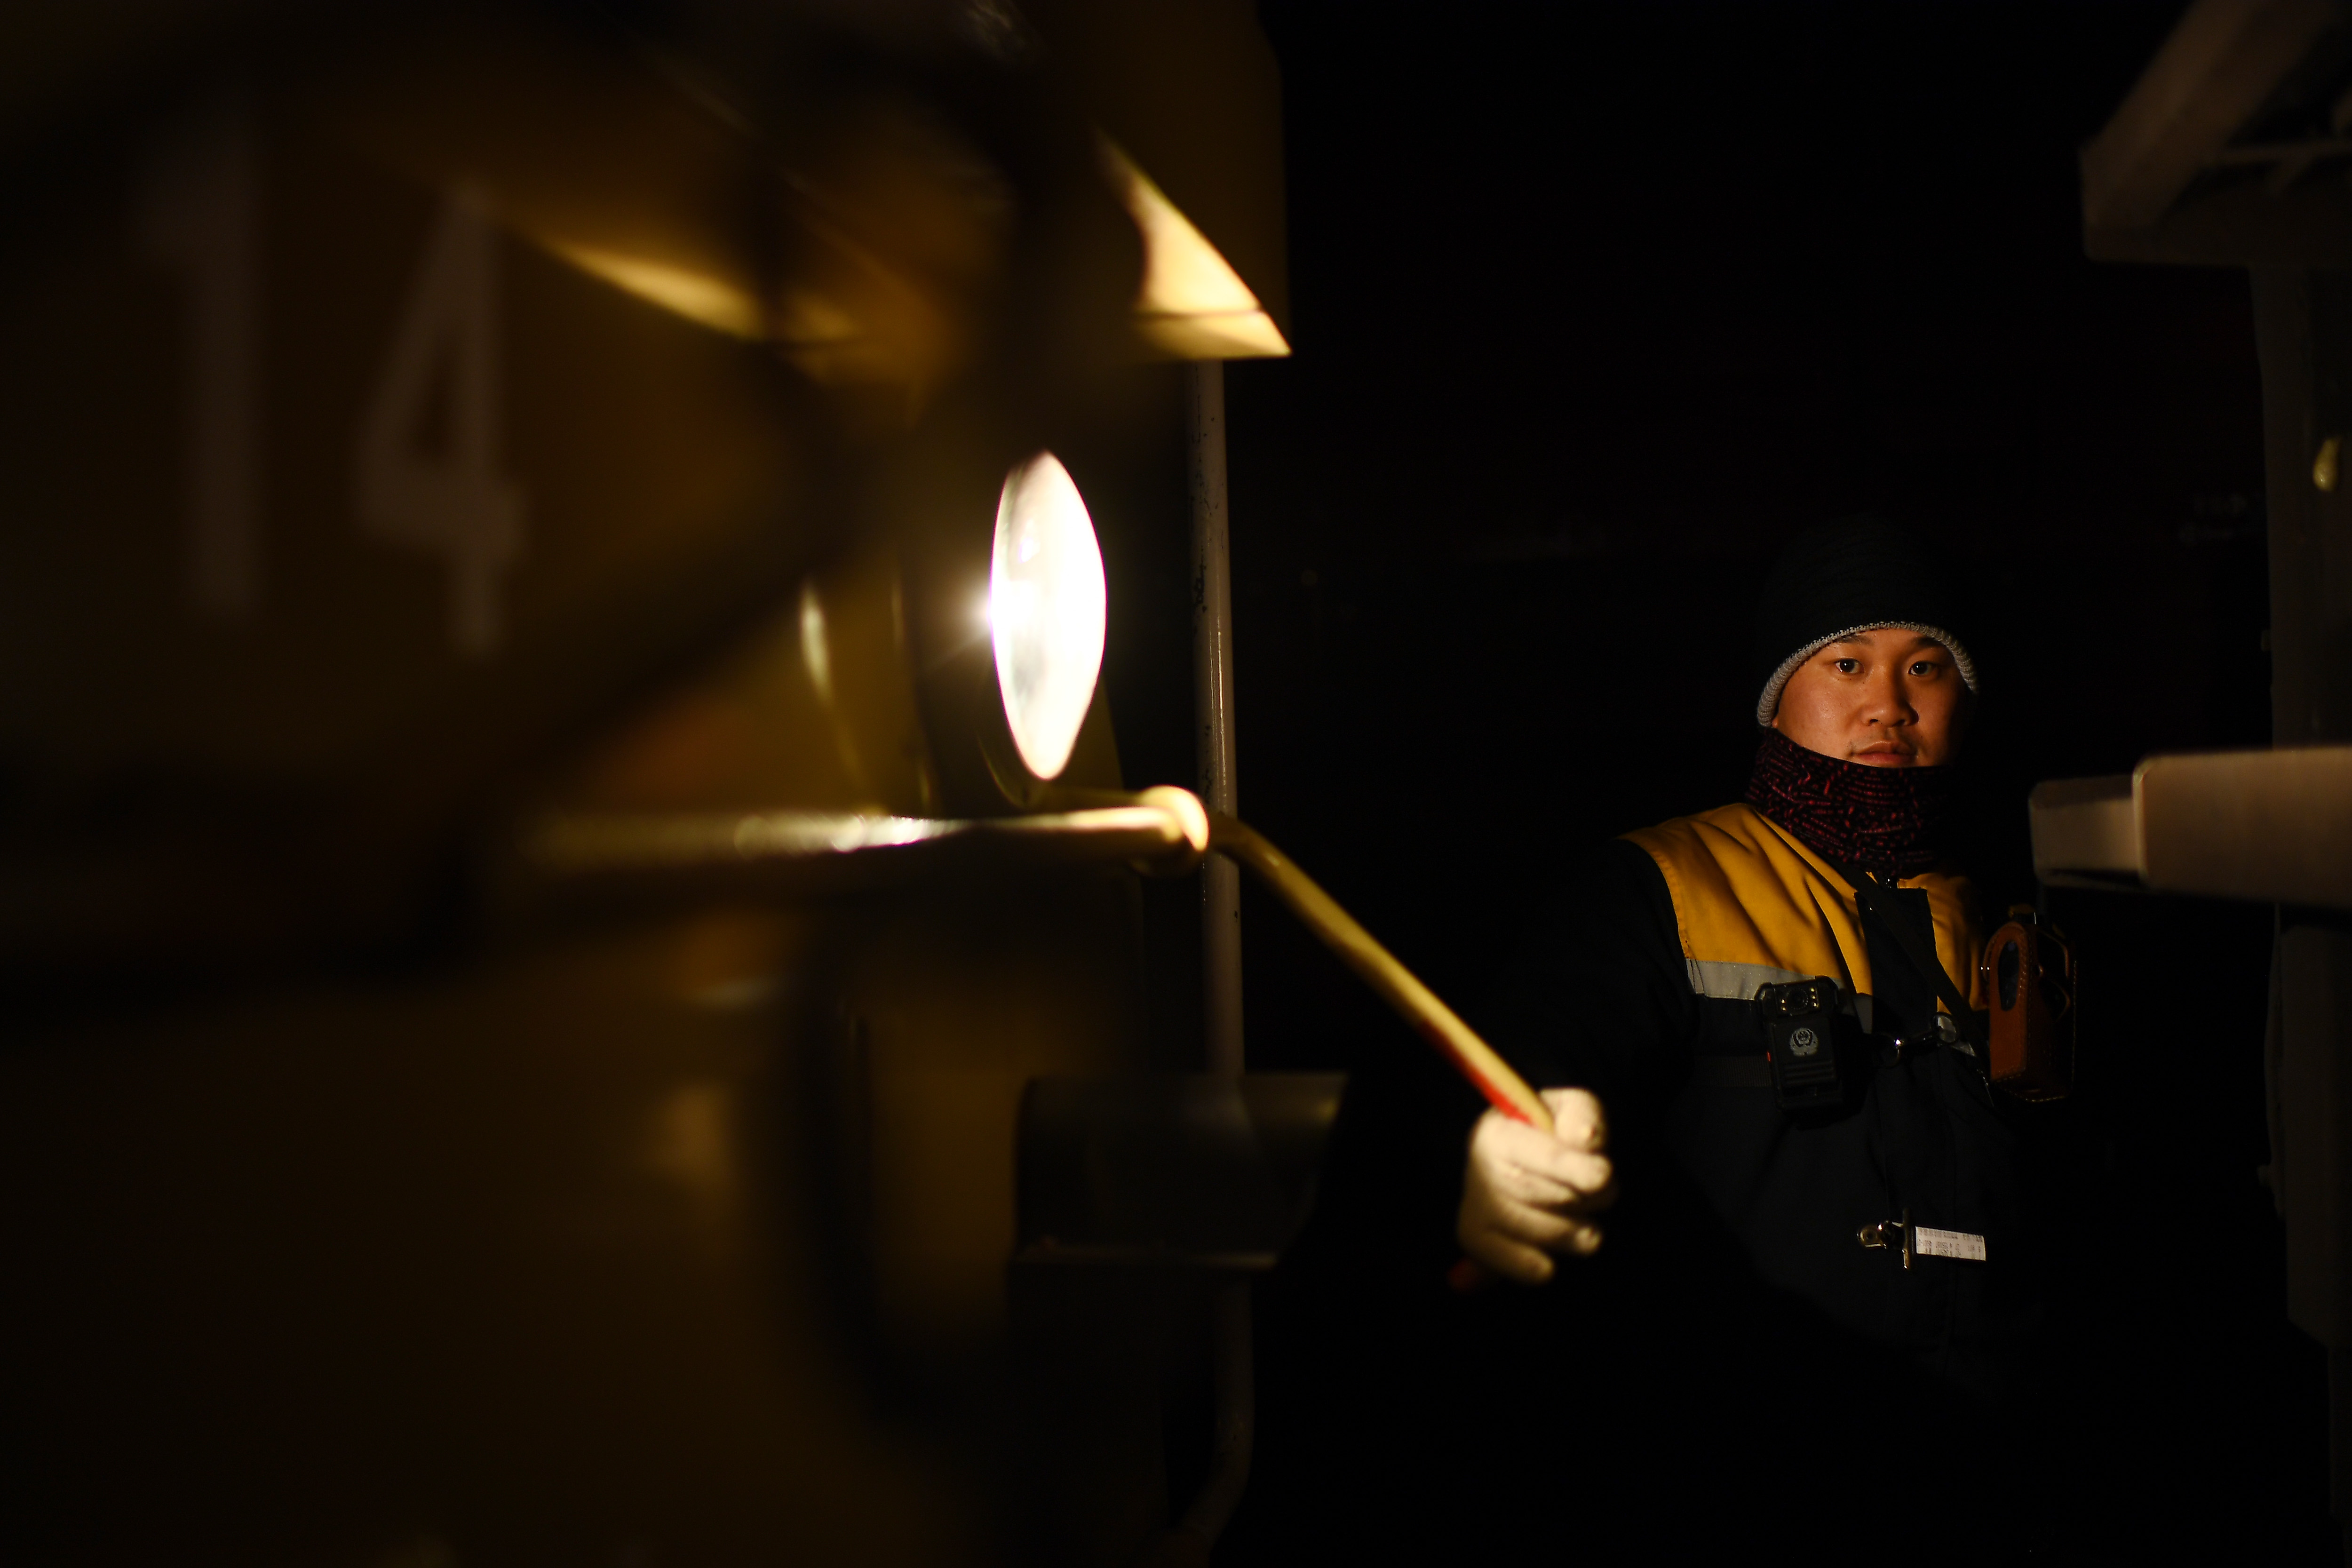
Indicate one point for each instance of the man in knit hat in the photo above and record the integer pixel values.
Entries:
(1837, 1255)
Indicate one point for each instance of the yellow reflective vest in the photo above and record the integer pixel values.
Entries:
(1753, 905)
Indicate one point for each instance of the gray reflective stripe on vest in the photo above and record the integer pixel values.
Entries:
(1736, 981)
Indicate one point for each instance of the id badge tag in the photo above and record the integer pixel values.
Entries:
(1929, 1242)
(1922, 1240)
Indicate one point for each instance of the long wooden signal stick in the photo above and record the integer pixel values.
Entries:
(1473, 1058)
(1193, 830)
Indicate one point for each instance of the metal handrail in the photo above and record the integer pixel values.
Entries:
(1164, 830)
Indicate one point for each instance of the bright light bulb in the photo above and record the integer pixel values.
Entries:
(1046, 611)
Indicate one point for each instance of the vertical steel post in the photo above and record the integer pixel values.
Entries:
(1212, 692)
(1221, 912)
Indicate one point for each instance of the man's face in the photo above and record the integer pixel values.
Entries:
(1887, 699)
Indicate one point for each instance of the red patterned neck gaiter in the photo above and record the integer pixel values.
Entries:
(1880, 819)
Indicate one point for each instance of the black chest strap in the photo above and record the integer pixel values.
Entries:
(1876, 896)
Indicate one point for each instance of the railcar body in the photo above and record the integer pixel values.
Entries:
(518, 1014)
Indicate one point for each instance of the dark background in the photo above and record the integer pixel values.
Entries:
(1594, 306)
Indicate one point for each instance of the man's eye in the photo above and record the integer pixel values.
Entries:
(1924, 667)
(1848, 666)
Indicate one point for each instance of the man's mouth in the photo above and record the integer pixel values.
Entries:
(1884, 754)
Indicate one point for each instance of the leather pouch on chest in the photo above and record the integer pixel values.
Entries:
(1813, 1042)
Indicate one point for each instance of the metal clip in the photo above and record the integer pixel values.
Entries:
(1891, 1232)
(1894, 1050)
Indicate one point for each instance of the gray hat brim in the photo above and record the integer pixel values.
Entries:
(1769, 703)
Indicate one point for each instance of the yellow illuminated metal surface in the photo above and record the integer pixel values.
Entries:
(1192, 305)
(466, 432)
(1046, 611)
(698, 295)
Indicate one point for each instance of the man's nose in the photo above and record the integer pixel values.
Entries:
(1889, 701)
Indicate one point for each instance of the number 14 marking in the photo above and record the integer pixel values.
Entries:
(197, 211)
(454, 503)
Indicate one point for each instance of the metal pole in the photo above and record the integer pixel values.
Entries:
(1220, 913)
(1212, 692)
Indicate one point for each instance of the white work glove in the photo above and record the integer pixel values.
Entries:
(1527, 1195)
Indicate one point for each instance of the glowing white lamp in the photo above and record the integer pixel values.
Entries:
(1045, 609)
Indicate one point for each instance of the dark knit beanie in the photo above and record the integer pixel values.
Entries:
(1839, 578)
